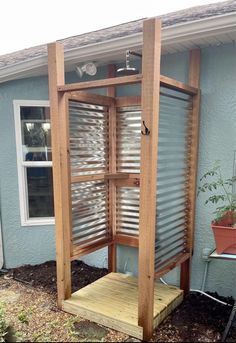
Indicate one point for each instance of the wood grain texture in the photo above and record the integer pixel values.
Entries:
(113, 81)
(78, 252)
(177, 85)
(61, 170)
(90, 98)
(148, 170)
(112, 249)
(194, 117)
(128, 101)
(127, 240)
(178, 260)
(113, 301)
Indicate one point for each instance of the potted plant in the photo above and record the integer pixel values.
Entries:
(224, 197)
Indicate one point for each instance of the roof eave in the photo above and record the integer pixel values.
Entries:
(179, 33)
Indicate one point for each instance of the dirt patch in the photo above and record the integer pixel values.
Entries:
(90, 331)
(35, 317)
(43, 276)
(197, 319)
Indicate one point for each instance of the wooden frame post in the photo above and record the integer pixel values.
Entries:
(148, 172)
(194, 81)
(61, 170)
(111, 91)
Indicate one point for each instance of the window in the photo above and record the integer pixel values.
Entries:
(34, 156)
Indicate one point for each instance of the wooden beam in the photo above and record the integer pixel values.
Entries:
(148, 172)
(181, 258)
(90, 98)
(78, 252)
(185, 276)
(194, 81)
(130, 178)
(111, 92)
(116, 176)
(177, 85)
(113, 81)
(61, 170)
(84, 178)
(123, 101)
(131, 182)
(127, 240)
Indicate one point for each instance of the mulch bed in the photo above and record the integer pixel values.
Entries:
(197, 319)
(44, 275)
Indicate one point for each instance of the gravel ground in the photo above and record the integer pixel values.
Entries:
(29, 297)
(34, 317)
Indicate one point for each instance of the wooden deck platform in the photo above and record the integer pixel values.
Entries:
(113, 302)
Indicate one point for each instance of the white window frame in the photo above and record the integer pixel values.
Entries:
(21, 164)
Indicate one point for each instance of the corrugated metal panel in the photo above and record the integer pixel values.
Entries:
(89, 212)
(128, 211)
(88, 126)
(128, 139)
(171, 176)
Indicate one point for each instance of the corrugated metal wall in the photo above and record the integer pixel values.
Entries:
(89, 156)
(128, 161)
(88, 138)
(127, 211)
(128, 139)
(89, 212)
(172, 176)
(88, 127)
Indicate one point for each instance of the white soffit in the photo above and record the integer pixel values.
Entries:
(200, 33)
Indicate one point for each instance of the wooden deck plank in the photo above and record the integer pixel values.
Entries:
(103, 319)
(113, 301)
(116, 312)
(127, 297)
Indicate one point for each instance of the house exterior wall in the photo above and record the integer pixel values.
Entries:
(24, 245)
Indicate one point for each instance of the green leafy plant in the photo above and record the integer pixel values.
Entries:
(24, 315)
(3, 324)
(222, 193)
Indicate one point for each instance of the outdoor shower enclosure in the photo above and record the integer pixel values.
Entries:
(124, 173)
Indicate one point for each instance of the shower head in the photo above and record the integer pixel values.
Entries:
(127, 70)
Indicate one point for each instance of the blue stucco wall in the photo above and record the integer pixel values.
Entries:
(217, 141)
(22, 245)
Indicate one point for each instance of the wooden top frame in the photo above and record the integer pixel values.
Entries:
(127, 80)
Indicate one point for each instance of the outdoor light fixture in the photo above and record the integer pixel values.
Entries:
(87, 68)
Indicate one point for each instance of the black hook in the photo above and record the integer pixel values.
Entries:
(147, 131)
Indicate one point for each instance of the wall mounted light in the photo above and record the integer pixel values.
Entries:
(87, 68)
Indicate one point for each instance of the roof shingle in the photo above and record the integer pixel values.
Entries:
(122, 30)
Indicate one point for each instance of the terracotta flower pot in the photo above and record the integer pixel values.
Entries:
(225, 235)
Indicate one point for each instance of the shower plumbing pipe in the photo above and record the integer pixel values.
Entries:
(204, 293)
(205, 274)
(130, 52)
